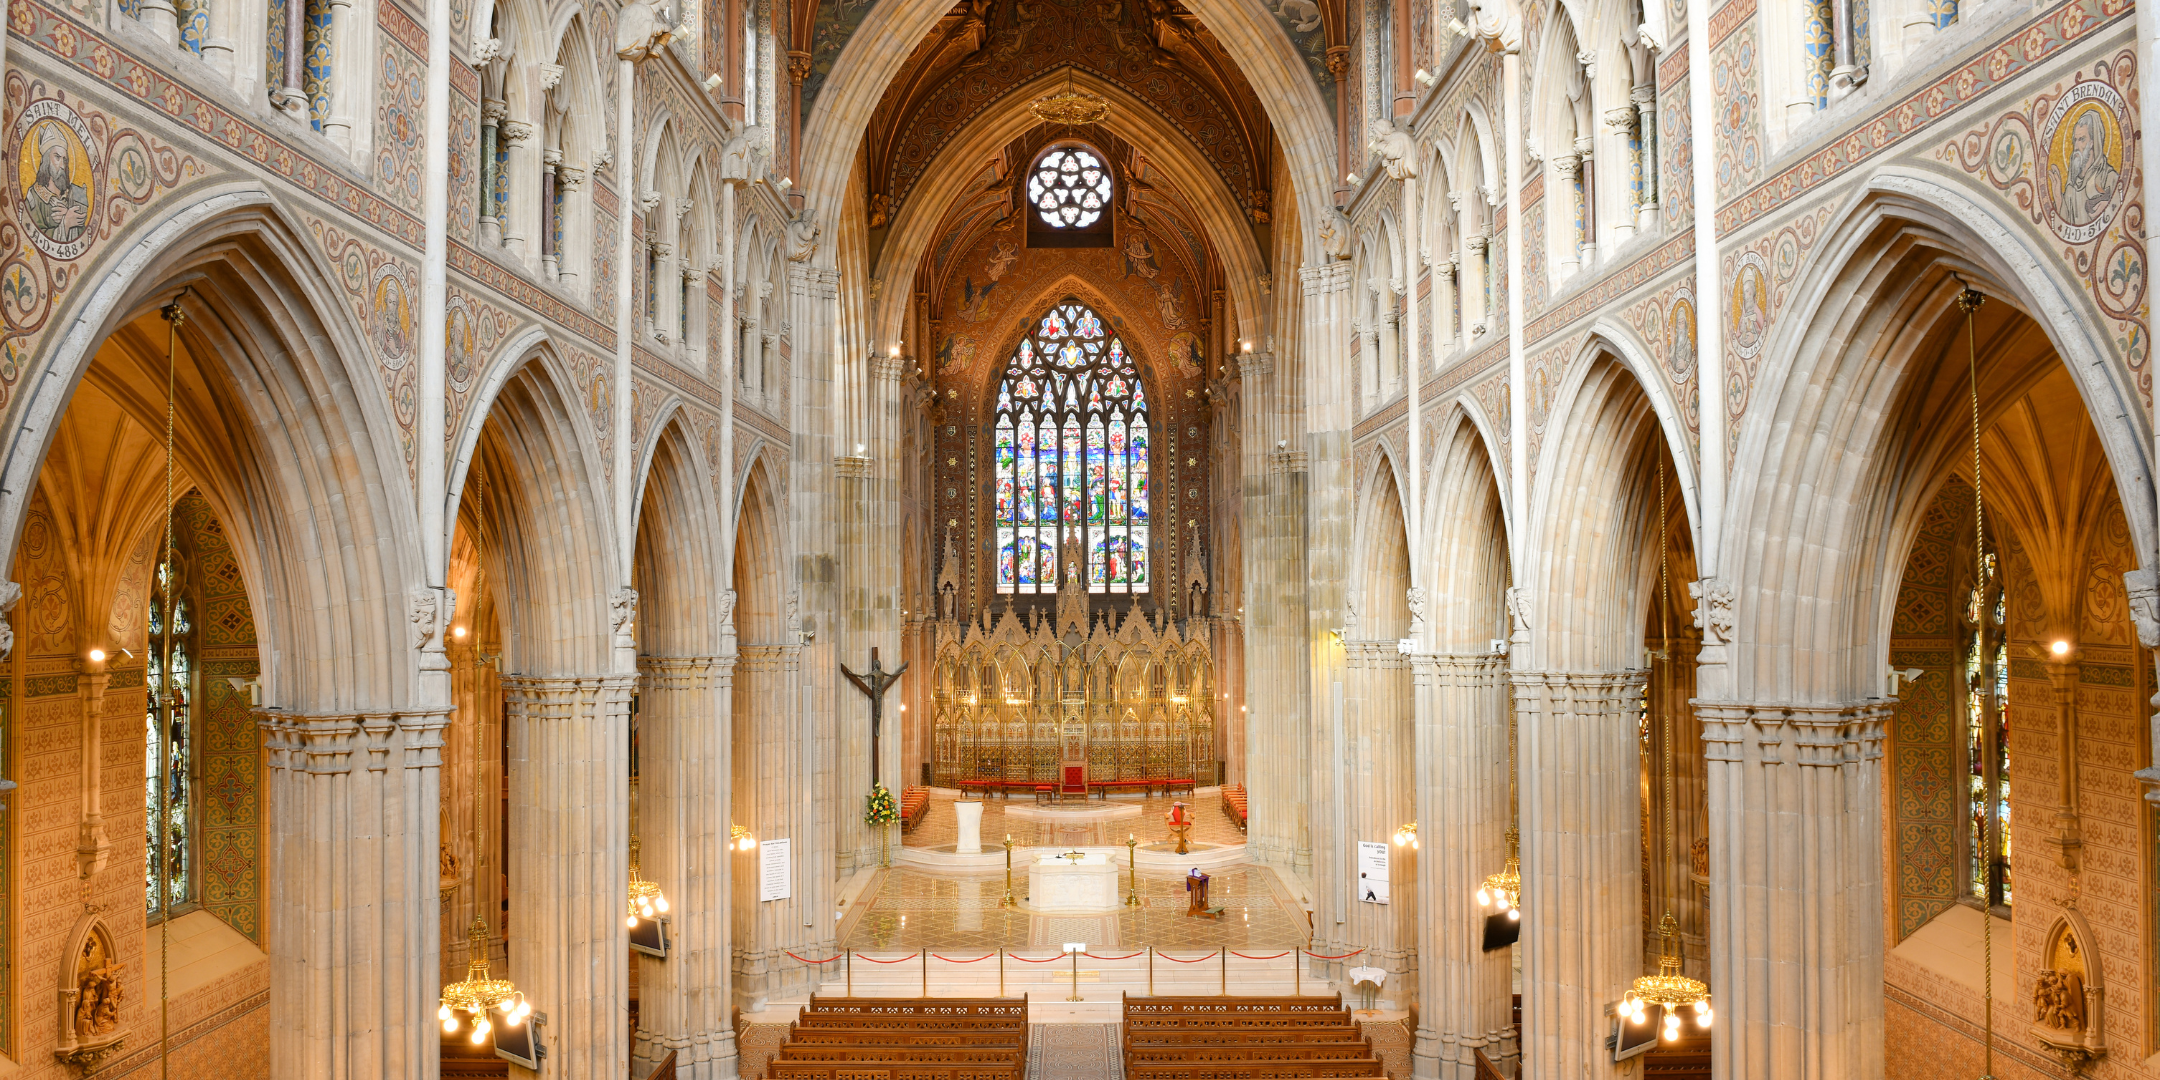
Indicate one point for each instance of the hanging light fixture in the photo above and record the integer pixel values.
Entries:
(479, 992)
(1673, 992)
(1070, 106)
(646, 901)
(1502, 892)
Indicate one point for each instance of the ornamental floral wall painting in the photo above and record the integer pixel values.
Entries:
(2063, 160)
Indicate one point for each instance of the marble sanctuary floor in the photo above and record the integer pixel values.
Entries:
(911, 908)
(1037, 825)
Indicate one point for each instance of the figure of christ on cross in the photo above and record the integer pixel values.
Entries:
(873, 683)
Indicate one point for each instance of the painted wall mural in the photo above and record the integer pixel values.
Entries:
(2063, 159)
(401, 109)
(1300, 22)
(76, 177)
(381, 289)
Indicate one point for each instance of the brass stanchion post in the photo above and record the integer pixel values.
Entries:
(1132, 870)
(850, 971)
(1225, 955)
(1151, 971)
(926, 971)
(1008, 901)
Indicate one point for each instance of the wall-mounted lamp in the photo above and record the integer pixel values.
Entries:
(712, 83)
(2060, 648)
(740, 839)
(458, 632)
(97, 656)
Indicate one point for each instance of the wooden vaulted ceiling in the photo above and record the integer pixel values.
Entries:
(1144, 198)
(985, 50)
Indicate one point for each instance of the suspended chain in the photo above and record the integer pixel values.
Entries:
(1665, 632)
(1969, 301)
(174, 316)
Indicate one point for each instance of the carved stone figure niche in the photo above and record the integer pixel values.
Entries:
(92, 988)
(2069, 999)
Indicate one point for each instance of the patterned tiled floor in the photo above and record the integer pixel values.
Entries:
(1391, 1044)
(1075, 1052)
(757, 1044)
(916, 909)
(939, 829)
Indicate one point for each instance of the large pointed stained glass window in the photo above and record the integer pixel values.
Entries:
(1071, 460)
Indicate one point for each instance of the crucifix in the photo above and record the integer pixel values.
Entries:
(873, 683)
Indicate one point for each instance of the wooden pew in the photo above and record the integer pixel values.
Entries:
(1273, 1070)
(905, 1039)
(1214, 1036)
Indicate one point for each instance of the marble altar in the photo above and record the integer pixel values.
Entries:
(1058, 885)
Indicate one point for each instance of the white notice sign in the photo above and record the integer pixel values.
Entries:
(775, 872)
(1372, 872)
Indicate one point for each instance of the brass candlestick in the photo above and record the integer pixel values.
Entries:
(1132, 870)
(1008, 901)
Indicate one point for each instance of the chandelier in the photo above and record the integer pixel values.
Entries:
(1070, 107)
(646, 899)
(1671, 991)
(478, 993)
(1668, 989)
(1503, 891)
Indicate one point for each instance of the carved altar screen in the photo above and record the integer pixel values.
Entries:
(1013, 701)
(1071, 458)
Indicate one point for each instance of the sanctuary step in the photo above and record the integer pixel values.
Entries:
(905, 1039)
(1244, 1038)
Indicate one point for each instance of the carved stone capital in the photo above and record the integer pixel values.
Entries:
(494, 111)
(550, 76)
(569, 179)
(515, 132)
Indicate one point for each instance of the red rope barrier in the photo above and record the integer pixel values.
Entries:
(950, 960)
(1092, 956)
(1344, 956)
(902, 960)
(1277, 956)
(807, 960)
(1195, 960)
(1025, 960)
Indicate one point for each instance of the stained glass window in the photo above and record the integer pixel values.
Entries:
(167, 753)
(1071, 460)
(1987, 739)
(1070, 188)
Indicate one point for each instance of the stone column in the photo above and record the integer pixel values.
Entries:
(1580, 778)
(550, 259)
(516, 220)
(351, 850)
(92, 846)
(1796, 879)
(1569, 168)
(569, 789)
(1462, 807)
(774, 754)
(1273, 612)
(1645, 99)
(570, 181)
(492, 113)
(685, 1002)
(1372, 755)
(1322, 486)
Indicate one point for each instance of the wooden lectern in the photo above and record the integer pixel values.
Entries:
(1196, 893)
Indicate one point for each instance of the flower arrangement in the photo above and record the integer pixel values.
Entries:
(880, 808)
